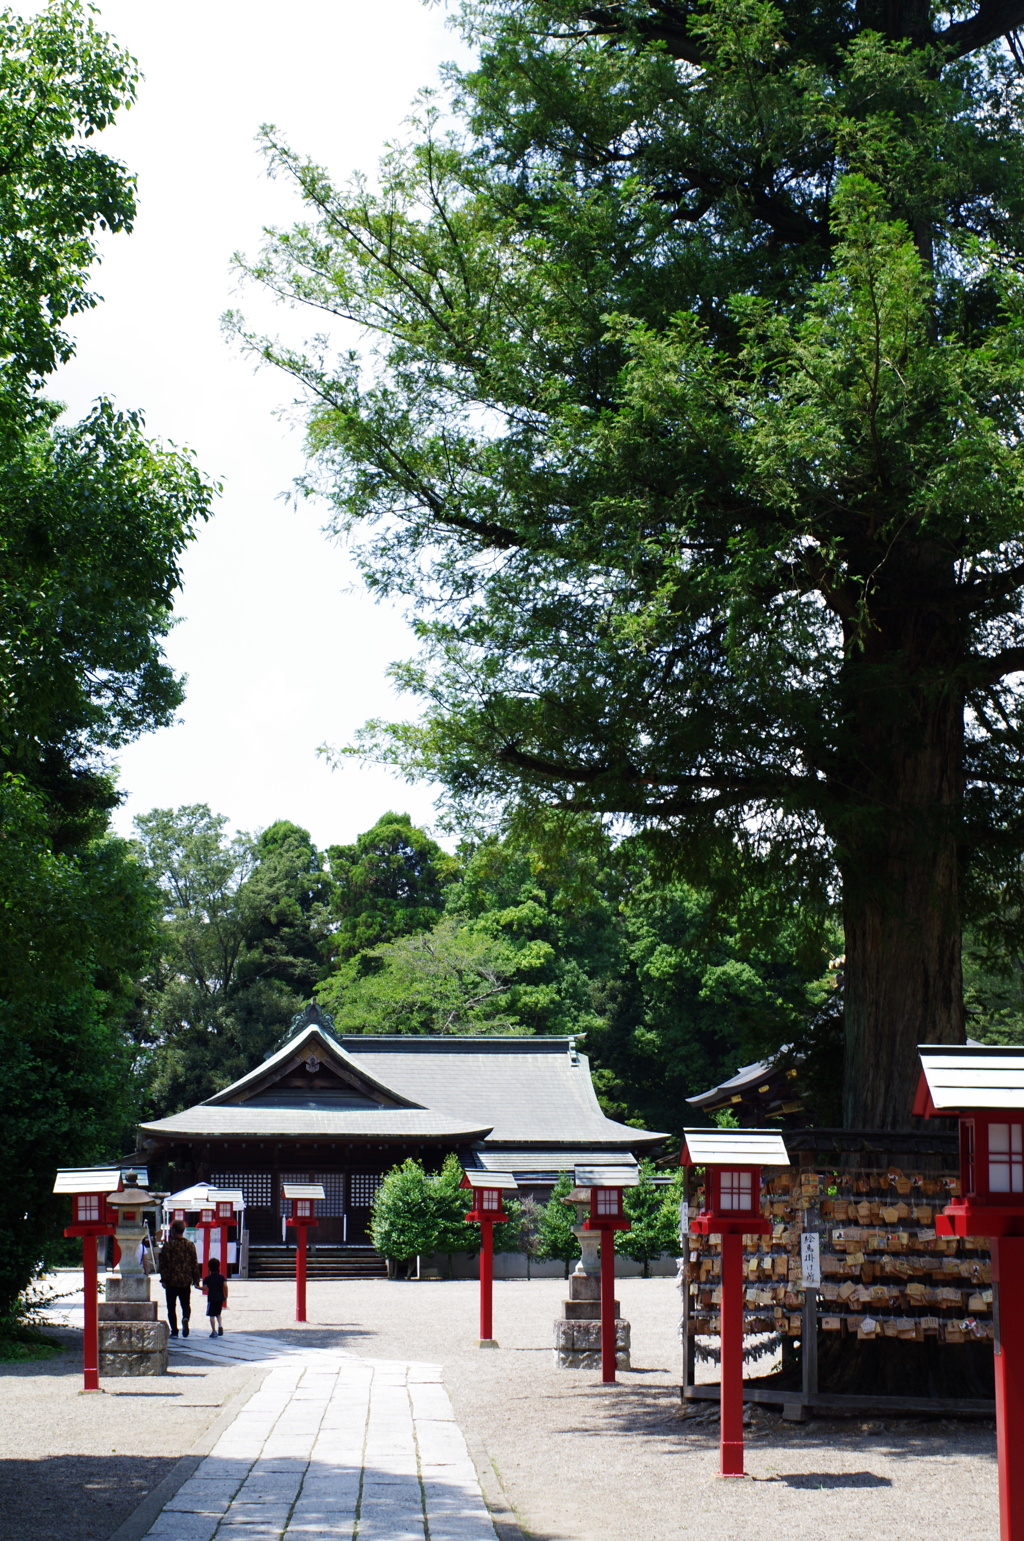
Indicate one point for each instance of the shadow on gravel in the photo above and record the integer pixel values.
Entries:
(320, 1335)
(74, 1497)
(826, 1479)
(653, 1413)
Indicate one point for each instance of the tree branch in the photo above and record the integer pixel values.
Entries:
(992, 19)
(1009, 661)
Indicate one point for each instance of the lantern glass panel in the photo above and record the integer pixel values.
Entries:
(225, 1211)
(736, 1190)
(607, 1201)
(87, 1207)
(1005, 1158)
(303, 1207)
(206, 1216)
(491, 1198)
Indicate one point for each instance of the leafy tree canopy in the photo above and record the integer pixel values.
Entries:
(61, 81)
(693, 433)
(94, 518)
(653, 1212)
(451, 979)
(242, 946)
(389, 884)
(555, 1223)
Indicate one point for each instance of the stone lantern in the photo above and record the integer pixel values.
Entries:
(132, 1341)
(578, 1332)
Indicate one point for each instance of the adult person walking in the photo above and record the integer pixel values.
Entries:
(179, 1270)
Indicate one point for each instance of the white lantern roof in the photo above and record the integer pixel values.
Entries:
(87, 1179)
(606, 1176)
(973, 1076)
(491, 1180)
(734, 1147)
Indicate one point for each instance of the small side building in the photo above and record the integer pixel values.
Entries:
(342, 1109)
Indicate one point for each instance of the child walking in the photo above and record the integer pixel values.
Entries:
(215, 1288)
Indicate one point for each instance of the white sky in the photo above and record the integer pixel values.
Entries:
(282, 648)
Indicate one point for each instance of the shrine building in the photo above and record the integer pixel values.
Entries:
(341, 1110)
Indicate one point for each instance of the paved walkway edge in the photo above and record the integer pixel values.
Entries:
(506, 1521)
(142, 1517)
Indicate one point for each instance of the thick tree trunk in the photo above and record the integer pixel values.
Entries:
(899, 858)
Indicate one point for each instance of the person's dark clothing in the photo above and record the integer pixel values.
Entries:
(179, 1264)
(213, 1284)
(179, 1270)
(174, 1298)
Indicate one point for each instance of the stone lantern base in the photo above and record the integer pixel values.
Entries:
(578, 1329)
(132, 1341)
(578, 1344)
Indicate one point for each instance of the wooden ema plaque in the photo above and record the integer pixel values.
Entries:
(884, 1270)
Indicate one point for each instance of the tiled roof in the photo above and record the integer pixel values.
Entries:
(542, 1162)
(527, 1089)
(306, 1040)
(252, 1121)
(519, 1091)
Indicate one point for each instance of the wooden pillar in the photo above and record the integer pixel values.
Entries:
(300, 1274)
(90, 1334)
(607, 1304)
(731, 1407)
(689, 1343)
(1008, 1288)
(486, 1282)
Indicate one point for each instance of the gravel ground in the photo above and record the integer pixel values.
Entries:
(585, 1462)
(73, 1467)
(579, 1461)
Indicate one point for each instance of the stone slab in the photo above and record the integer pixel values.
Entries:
(584, 1310)
(584, 1286)
(113, 1366)
(127, 1310)
(134, 1287)
(586, 1336)
(133, 1337)
(575, 1359)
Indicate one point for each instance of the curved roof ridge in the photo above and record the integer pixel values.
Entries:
(335, 1051)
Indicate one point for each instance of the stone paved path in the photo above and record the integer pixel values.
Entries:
(331, 1446)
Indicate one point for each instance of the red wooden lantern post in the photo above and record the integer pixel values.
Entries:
(487, 1212)
(206, 1223)
(607, 1216)
(983, 1086)
(303, 1196)
(225, 1216)
(91, 1217)
(732, 1159)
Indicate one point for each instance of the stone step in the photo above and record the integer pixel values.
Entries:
(325, 1263)
(127, 1310)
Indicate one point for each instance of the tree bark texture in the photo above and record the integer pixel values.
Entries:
(898, 848)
